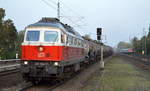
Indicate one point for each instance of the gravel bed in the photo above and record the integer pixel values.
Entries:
(10, 82)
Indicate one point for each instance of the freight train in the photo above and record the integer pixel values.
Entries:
(52, 49)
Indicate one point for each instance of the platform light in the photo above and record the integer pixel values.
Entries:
(25, 62)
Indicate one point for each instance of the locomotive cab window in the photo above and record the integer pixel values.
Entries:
(33, 35)
(51, 36)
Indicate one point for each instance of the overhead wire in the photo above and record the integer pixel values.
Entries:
(77, 21)
(49, 4)
(74, 23)
(69, 9)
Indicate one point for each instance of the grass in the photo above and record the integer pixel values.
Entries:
(119, 75)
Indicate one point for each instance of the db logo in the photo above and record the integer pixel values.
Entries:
(41, 55)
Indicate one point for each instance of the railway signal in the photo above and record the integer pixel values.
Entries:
(99, 35)
(99, 31)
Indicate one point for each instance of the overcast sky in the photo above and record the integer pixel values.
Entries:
(120, 19)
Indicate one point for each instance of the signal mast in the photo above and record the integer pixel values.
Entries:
(99, 38)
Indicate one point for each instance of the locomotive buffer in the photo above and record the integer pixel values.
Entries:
(99, 38)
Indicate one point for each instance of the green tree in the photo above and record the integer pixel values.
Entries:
(136, 43)
(8, 36)
(148, 45)
(20, 40)
(2, 15)
(142, 44)
(148, 32)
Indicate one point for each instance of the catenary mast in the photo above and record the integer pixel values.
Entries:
(58, 9)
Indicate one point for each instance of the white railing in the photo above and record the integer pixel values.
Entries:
(9, 64)
(9, 60)
(9, 67)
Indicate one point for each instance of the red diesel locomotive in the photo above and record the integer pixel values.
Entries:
(52, 49)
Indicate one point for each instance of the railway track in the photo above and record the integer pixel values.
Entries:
(48, 86)
(43, 86)
(140, 62)
(9, 62)
(9, 66)
(4, 73)
(9, 69)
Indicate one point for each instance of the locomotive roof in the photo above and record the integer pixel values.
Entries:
(54, 22)
(50, 22)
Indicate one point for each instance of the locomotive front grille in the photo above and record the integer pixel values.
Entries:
(41, 69)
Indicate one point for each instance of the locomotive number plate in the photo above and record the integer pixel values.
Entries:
(41, 54)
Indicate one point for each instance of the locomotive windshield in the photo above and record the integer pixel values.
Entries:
(33, 35)
(50, 36)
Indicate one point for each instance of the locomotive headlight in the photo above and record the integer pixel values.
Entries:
(25, 62)
(56, 63)
(41, 49)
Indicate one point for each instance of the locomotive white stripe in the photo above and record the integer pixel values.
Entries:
(47, 44)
